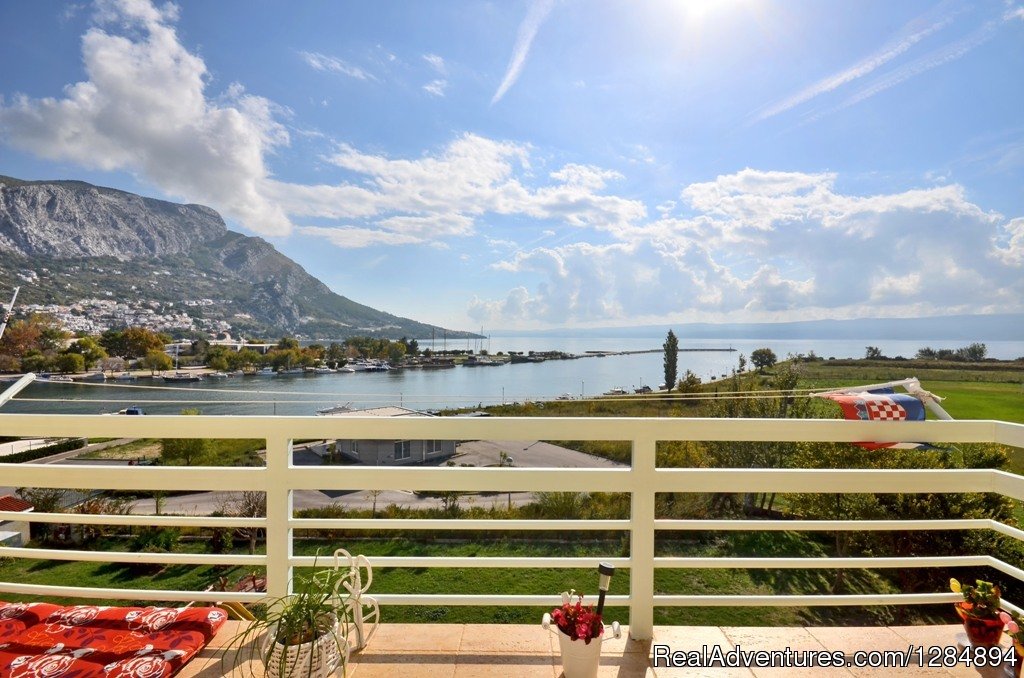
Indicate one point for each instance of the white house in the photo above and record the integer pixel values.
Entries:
(393, 452)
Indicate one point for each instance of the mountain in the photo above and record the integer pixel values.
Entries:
(994, 327)
(76, 241)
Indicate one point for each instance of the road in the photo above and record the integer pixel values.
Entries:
(524, 454)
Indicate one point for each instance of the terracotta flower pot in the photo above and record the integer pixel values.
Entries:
(981, 631)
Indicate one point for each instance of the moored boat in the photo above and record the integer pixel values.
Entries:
(181, 378)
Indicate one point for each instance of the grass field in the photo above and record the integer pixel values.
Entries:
(541, 581)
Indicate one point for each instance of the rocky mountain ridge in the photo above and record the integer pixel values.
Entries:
(48, 225)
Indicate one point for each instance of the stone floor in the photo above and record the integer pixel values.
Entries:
(514, 651)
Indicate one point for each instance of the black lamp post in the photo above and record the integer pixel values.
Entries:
(606, 571)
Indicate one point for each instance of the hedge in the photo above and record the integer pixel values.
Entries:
(45, 451)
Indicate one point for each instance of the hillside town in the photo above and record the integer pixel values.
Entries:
(95, 316)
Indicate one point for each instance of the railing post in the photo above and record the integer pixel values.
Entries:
(279, 511)
(641, 540)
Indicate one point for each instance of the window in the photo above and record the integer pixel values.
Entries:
(403, 449)
(434, 446)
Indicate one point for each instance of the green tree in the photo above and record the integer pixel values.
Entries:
(184, 451)
(762, 358)
(89, 349)
(133, 342)
(157, 360)
(873, 353)
(671, 360)
(690, 383)
(396, 351)
(974, 353)
(69, 362)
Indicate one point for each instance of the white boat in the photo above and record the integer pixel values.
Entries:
(347, 370)
(125, 376)
(336, 409)
(60, 377)
(291, 371)
(323, 370)
(616, 391)
(181, 378)
(237, 373)
(217, 375)
(265, 372)
(358, 366)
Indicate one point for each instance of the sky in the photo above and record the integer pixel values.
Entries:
(559, 163)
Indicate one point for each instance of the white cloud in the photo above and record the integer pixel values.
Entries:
(436, 87)
(143, 109)
(436, 62)
(354, 237)
(764, 245)
(325, 62)
(862, 68)
(1012, 253)
(535, 16)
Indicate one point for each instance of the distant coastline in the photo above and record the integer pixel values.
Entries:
(963, 328)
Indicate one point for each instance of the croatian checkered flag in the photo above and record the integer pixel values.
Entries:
(881, 405)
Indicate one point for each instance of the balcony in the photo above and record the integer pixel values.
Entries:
(643, 480)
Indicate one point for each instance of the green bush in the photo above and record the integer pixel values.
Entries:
(156, 540)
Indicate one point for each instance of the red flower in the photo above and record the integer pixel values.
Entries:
(578, 621)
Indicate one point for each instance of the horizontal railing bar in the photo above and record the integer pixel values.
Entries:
(1006, 568)
(134, 557)
(824, 525)
(50, 590)
(820, 563)
(156, 521)
(1008, 484)
(481, 600)
(510, 428)
(697, 480)
(806, 600)
(1006, 433)
(1008, 530)
(460, 479)
(825, 481)
(467, 561)
(453, 524)
(172, 478)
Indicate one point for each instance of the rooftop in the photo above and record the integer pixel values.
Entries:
(9, 502)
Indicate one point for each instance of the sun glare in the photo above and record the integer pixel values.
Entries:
(699, 13)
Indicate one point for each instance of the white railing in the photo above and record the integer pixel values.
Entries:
(642, 481)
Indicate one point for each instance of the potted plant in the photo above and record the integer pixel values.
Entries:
(980, 612)
(305, 631)
(579, 635)
(580, 628)
(1015, 629)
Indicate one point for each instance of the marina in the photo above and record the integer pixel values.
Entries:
(629, 365)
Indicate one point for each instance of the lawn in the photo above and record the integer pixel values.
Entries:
(539, 581)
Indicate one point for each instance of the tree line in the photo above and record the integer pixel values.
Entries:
(39, 344)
